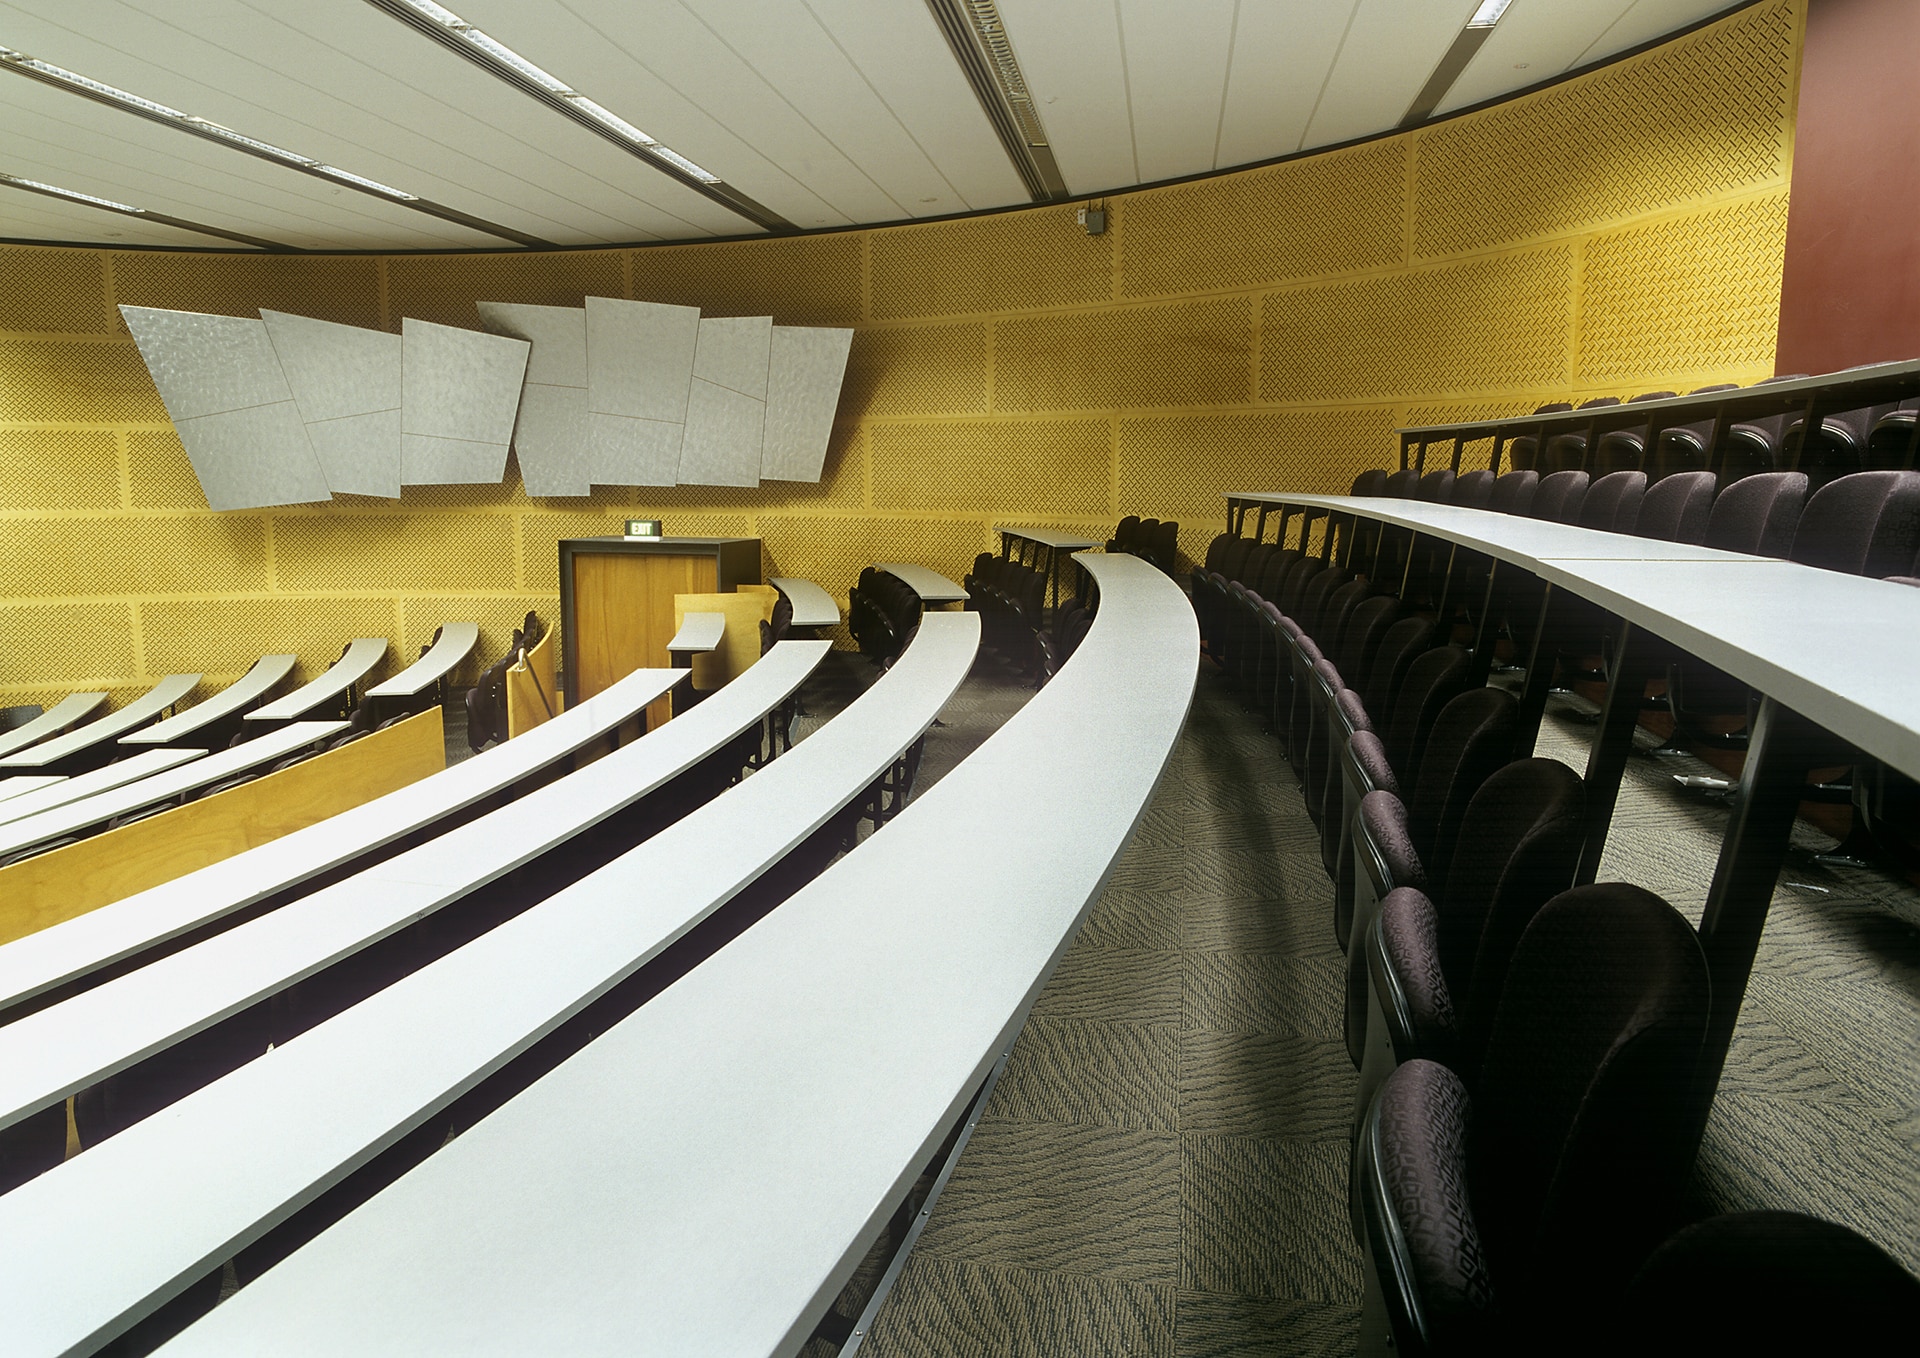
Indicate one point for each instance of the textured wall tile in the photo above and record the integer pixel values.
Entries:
(1193, 354)
(59, 469)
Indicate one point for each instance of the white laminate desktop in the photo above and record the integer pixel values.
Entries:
(71, 1045)
(54, 720)
(141, 710)
(389, 1062)
(1048, 537)
(812, 606)
(100, 938)
(256, 683)
(931, 586)
(22, 783)
(457, 640)
(707, 1173)
(60, 791)
(363, 653)
(699, 633)
(158, 787)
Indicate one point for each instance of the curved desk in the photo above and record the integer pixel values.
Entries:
(931, 586)
(22, 783)
(52, 722)
(83, 1040)
(68, 952)
(730, 1150)
(1756, 618)
(453, 645)
(1053, 540)
(87, 739)
(60, 791)
(812, 606)
(160, 786)
(385, 1065)
(355, 664)
(265, 676)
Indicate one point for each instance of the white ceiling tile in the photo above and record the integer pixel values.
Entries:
(902, 55)
(1282, 54)
(1177, 58)
(1647, 20)
(29, 216)
(1070, 53)
(1390, 49)
(1533, 41)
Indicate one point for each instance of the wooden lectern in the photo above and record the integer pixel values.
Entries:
(616, 602)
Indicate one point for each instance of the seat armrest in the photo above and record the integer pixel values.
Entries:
(1403, 962)
(1366, 765)
(1384, 847)
(1428, 1257)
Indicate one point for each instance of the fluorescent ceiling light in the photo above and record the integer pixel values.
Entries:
(1488, 14)
(451, 30)
(129, 102)
(74, 194)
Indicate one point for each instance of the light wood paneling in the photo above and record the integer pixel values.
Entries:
(623, 615)
(739, 643)
(532, 697)
(109, 867)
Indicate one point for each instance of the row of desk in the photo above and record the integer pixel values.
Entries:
(761, 1118)
(1834, 656)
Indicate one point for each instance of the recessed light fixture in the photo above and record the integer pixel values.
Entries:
(1488, 14)
(489, 53)
(978, 36)
(1454, 60)
(73, 82)
(38, 186)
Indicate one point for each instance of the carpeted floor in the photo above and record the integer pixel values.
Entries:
(1162, 1168)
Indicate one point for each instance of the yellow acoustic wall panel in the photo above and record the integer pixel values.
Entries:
(1611, 234)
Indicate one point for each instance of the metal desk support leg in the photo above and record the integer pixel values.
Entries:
(1613, 743)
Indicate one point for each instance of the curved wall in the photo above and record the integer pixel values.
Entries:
(1615, 233)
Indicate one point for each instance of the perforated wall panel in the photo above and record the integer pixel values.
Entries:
(1616, 233)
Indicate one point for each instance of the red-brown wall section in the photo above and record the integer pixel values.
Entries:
(1850, 292)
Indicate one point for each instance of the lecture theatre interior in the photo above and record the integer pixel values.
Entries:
(949, 678)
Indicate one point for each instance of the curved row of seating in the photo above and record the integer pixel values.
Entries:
(882, 613)
(1533, 1054)
(1151, 539)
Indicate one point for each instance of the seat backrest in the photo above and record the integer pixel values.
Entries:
(1338, 608)
(1233, 554)
(1371, 482)
(1254, 564)
(1401, 485)
(1513, 493)
(1517, 849)
(1559, 497)
(13, 718)
(1583, 1106)
(1757, 514)
(1215, 549)
(1890, 444)
(1767, 1282)
(1293, 587)
(1864, 524)
(1360, 639)
(1676, 508)
(1471, 737)
(1681, 448)
(1400, 646)
(1473, 490)
(1164, 545)
(1432, 681)
(1839, 448)
(1124, 530)
(1612, 504)
(1313, 603)
(1436, 487)
(1275, 574)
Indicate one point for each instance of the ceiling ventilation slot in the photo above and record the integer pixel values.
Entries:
(978, 37)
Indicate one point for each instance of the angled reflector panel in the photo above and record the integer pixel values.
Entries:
(639, 375)
(346, 384)
(460, 392)
(726, 410)
(804, 373)
(228, 398)
(550, 435)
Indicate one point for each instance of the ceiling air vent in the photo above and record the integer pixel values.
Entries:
(978, 37)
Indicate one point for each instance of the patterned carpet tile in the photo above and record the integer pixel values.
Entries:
(1110, 1074)
(944, 1308)
(1256, 994)
(1209, 1325)
(1850, 1027)
(1254, 926)
(1265, 1085)
(1116, 985)
(1068, 1198)
(1131, 918)
(1806, 1155)
(1267, 1219)
(1766, 1058)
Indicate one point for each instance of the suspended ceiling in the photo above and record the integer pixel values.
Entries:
(829, 113)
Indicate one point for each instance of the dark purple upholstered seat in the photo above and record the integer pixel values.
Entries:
(1513, 493)
(1473, 490)
(1757, 514)
(1677, 508)
(1559, 497)
(1612, 504)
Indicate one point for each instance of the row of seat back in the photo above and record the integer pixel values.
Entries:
(882, 610)
(1870, 438)
(1150, 539)
(486, 701)
(1010, 597)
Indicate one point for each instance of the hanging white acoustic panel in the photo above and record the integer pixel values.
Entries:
(460, 392)
(726, 409)
(804, 373)
(639, 374)
(229, 401)
(346, 384)
(550, 434)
